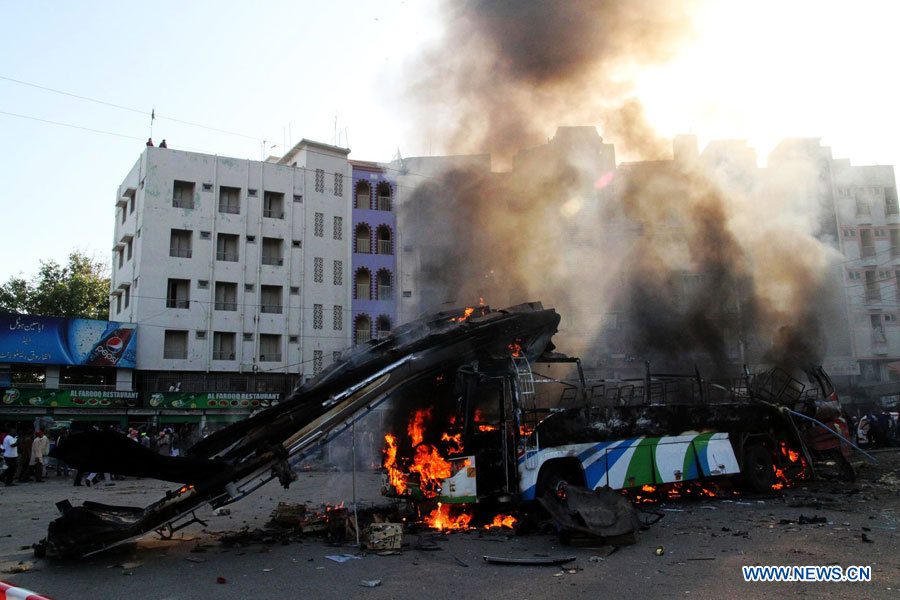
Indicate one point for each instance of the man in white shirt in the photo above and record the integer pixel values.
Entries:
(40, 448)
(11, 456)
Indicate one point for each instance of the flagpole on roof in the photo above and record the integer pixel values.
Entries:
(152, 118)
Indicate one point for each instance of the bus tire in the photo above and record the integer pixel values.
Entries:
(554, 474)
(758, 470)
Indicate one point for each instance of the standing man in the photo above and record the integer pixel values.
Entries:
(40, 448)
(10, 456)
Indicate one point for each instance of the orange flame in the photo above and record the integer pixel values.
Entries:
(466, 315)
(515, 349)
(390, 463)
(502, 521)
(416, 427)
(441, 518)
(488, 428)
(455, 440)
(431, 467)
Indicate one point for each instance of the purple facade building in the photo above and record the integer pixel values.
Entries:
(374, 307)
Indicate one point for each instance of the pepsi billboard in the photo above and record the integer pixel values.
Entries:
(64, 341)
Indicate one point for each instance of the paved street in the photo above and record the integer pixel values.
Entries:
(705, 544)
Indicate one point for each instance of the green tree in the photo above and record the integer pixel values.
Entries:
(78, 289)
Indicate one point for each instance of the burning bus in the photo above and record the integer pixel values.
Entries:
(501, 431)
(475, 429)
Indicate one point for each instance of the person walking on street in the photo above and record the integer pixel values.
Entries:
(24, 449)
(40, 448)
(10, 456)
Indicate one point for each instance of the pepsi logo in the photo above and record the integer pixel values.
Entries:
(114, 344)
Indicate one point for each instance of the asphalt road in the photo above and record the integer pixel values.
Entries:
(705, 544)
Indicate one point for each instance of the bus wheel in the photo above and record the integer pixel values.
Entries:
(758, 469)
(552, 479)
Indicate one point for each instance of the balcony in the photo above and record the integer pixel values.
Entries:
(177, 303)
(384, 203)
(268, 259)
(270, 357)
(227, 256)
(363, 292)
(223, 355)
(273, 213)
(385, 247)
(226, 306)
(385, 292)
(270, 308)
(868, 251)
(180, 252)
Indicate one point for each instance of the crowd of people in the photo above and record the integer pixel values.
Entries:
(26, 449)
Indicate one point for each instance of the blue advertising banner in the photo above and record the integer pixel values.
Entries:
(62, 341)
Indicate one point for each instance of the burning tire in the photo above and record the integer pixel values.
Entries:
(554, 473)
(758, 469)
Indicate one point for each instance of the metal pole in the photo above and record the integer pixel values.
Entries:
(353, 459)
(835, 434)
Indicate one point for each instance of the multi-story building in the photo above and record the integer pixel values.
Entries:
(374, 248)
(233, 269)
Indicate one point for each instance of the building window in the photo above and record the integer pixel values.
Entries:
(248, 336)
(269, 347)
(295, 290)
(294, 339)
(363, 239)
(223, 345)
(227, 247)
(317, 362)
(407, 294)
(180, 243)
(270, 299)
(878, 336)
(867, 243)
(248, 287)
(251, 239)
(317, 316)
(121, 253)
(207, 187)
(862, 205)
(383, 243)
(205, 235)
(363, 197)
(226, 295)
(338, 231)
(383, 326)
(318, 270)
(229, 200)
(128, 247)
(338, 184)
(124, 215)
(319, 228)
(335, 356)
(338, 272)
(203, 284)
(298, 198)
(338, 319)
(118, 303)
(127, 295)
(273, 205)
(873, 292)
(385, 287)
(895, 242)
(200, 334)
(175, 344)
(271, 252)
(890, 201)
(362, 329)
(297, 243)
(178, 293)
(183, 194)
(251, 192)
(384, 196)
(131, 203)
(363, 284)
(320, 180)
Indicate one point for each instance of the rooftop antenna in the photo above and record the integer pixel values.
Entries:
(152, 118)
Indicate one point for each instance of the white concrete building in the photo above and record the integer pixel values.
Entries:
(235, 267)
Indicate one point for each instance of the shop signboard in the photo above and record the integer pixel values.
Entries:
(210, 400)
(36, 339)
(47, 398)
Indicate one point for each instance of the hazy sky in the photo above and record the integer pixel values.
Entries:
(280, 71)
